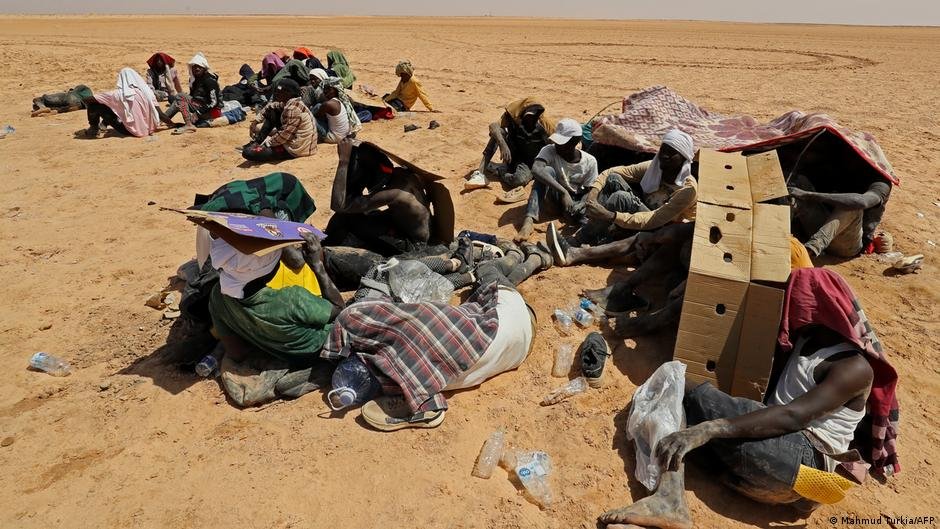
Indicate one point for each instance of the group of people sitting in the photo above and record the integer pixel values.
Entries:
(281, 318)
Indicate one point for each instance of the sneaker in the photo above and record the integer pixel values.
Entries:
(557, 245)
(477, 180)
(390, 413)
(529, 249)
(593, 354)
(464, 253)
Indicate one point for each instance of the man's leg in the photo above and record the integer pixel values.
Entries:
(617, 251)
(665, 509)
(841, 235)
(93, 110)
(533, 210)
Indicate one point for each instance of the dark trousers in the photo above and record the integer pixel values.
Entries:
(263, 153)
(616, 196)
(100, 114)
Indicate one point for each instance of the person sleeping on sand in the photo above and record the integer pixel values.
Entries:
(286, 129)
(520, 135)
(796, 449)
(131, 109)
(162, 77)
(563, 176)
(204, 100)
(392, 218)
(417, 351)
(61, 102)
(408, 91)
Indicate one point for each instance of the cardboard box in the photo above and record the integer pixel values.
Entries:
(740, 262)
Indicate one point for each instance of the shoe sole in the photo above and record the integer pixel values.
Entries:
(553, 246)
(385, 427)
(595, 383)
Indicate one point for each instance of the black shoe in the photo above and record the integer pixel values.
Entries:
(464, 253)
(529, 249)
(593, 354)
(557, 245)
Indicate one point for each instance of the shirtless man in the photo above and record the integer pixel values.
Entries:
(821, 394)
(404, 223)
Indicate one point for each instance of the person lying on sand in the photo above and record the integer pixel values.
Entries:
(408, 91)
(287, 130)
(786, 452)
(419, 350)
(520, 135)
(393, 218)
(204, 99)
(563, 176)
(131, 109)
(61, 102)
(843, 221)
(162, 77)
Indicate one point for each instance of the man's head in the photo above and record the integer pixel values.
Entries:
(530, 117)
(157, 63)
(567, 136)
(676, 150)
(317, 76)
(198, 71)
(405, 70)
(331, 87)
(286, 90)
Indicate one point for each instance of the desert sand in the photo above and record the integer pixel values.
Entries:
(130, 441)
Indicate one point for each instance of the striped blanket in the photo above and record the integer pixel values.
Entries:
(647, 115)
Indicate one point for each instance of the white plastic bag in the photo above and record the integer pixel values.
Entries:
(657, 412)
(413, 282)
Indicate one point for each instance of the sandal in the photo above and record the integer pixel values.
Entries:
(517, 194)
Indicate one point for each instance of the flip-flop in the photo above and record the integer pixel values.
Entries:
(512, 196)
(909, 264)
(183, 130)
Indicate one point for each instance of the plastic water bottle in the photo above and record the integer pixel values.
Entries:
(564, 356)
(576, 386)
(583, 317)
(413, 282)
(7, 129)
(533, 470)
(490, 455)
(353, 384)
(46, 362)
(563, 322)
(207, 366)
(589, 306)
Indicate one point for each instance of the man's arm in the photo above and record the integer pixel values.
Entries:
(423, 96)
(541, 174)
(313, 255)
(331, 105)
(850, 201)
(290, 122)
(846, 379)
(338, 195)
(673, 209)
(496, 132)
(176, 83)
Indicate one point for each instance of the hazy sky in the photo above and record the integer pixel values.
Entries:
(876, 12)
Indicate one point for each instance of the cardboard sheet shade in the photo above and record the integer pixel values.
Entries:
(250, 234)
(729, 323)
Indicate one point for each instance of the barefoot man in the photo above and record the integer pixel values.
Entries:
(781, 452)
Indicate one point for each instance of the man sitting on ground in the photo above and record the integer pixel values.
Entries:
(520, 135)
(130, 109)
(393, 218)
(204, 100)
(771, 453)
(563, 176)
(162, 77)
(420, 350)
(408, 91)
(287, 131)
(332, 116)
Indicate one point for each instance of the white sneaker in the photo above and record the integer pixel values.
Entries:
(477, 180)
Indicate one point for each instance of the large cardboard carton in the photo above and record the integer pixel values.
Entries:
(740, 262)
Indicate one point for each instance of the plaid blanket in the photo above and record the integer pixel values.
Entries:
(416, 349)
(820, 296)
(647, 115)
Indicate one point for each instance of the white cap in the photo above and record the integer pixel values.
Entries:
(565, 130)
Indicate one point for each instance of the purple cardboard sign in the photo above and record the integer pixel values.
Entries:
(251, 233)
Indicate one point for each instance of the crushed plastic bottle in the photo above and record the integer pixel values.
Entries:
(564, 357)
(207, 366)
(413, 282)
(353, 384)
(532, 469)
(583, 318)
(572, 388)
(490, 455)
(56, 367)
(6, 130)
(563, 322)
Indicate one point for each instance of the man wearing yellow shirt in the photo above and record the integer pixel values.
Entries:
(409, 90)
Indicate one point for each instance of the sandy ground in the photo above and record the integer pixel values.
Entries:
(81, 250)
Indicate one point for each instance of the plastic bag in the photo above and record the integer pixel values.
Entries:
(657, 412)
(413, 282)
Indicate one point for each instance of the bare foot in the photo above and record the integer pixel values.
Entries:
(598, 296)
(525, 231)
(92, 132)
(624, 326)
(184, 130)
(662, 511)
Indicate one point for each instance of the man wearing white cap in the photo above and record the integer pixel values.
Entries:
(563, 176)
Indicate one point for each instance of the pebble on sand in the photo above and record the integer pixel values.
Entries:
(7, 441)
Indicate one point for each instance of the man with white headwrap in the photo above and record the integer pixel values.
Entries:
(131, 108)
(204, 99)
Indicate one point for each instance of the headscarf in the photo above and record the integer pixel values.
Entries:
(355, 124)
(130, 84)
(517, 108)
(337, 62)
(304, 51)
(404, 67)
(270, 65)
(167, 60)
(237, 269)
(198, 60)
(679, 141)
(319, 73)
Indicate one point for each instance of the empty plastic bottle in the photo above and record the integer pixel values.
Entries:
(46, 362)
(490, 455)
(578, 385)
(353, 384)
(589, 306)
(533, 469)
(583, 317)
(413, 282)
(564, 356)
(7, 129)
(207, 366)
(563, 322)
